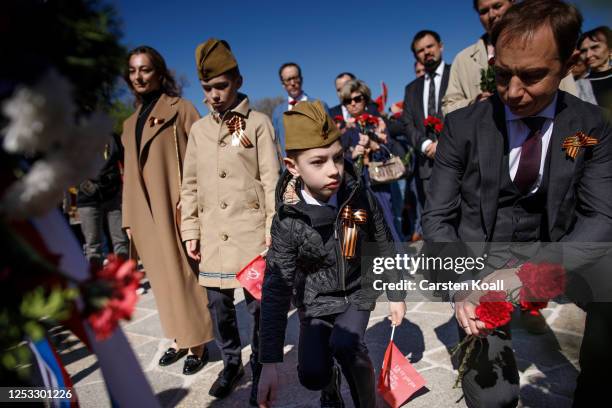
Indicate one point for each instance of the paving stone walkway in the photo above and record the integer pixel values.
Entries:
(548, 363)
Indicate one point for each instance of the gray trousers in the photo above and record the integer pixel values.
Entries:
(92, 226)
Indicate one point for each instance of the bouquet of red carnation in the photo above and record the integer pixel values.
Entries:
(366, 124)
(494, 311)
(541, 282)
(433, 124)
(111, 295)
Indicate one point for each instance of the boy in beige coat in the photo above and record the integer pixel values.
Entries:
(230, 173)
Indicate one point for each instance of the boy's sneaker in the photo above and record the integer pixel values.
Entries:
(330, 395)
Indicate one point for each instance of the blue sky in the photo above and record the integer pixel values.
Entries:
(370, 39)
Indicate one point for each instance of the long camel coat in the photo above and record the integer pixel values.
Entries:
(150, 195)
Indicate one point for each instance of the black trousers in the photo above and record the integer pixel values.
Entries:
(487, 384)
(593, 382)
(227, 336)
(339, 336)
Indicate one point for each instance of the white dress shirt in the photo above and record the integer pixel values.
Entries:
(302, 98)
(345, 113)
(517, 134)
(332, 202)
(438, 82)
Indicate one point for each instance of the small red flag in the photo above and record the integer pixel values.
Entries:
(398, 379)
(381, 101)
(251, 276)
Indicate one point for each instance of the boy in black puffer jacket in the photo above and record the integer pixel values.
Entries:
(315, 262)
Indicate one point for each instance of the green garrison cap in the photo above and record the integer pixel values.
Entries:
(213, 58)
(308, 126)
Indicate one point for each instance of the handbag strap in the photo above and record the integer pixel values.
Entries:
(387, 150)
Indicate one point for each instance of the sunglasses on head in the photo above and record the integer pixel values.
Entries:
(356, 99)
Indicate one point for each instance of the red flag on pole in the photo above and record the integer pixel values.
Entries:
(381, 101)
(398, 379)
(251, 276)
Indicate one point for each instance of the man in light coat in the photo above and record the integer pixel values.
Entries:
(464, 82)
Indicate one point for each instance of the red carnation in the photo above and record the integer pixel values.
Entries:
(339, 118)
(117, 282)
(541, 282)
(494, 310)
(433, 124)
(531, 307)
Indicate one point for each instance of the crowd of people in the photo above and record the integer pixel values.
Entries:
(202, 196)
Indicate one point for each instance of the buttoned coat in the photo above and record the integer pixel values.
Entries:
(150, 195)
(228, 192)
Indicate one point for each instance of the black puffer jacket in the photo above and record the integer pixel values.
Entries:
(305, 265)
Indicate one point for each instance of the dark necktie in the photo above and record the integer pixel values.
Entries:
(431, 101)
(531, 154)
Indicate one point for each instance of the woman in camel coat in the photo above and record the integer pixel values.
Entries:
(154, 139)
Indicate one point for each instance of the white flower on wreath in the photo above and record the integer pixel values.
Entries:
(42, 121)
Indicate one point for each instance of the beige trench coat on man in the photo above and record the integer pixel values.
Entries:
(150, 195)
(464, 79)
(228, 193)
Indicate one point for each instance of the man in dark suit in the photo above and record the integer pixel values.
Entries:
(501, 174)
(339, 110)
(423, 97)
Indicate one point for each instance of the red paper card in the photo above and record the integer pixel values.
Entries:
(398, 378)
(251, 276)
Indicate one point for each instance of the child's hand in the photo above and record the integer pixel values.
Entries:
(268, 385)
(193, 249)
(397, 311)
(268, 242)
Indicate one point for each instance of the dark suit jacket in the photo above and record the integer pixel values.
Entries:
(466, 176)
(414, 115)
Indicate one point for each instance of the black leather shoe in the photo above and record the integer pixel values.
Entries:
(193, 363)
(171, 355)
(330, 395)
(228, 378)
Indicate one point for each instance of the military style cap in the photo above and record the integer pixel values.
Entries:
(308, 126)
(213, 58)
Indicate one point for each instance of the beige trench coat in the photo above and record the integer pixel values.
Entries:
(150, 194)
(228, 193)
(464, 80)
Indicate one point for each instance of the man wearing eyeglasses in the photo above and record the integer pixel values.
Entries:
(290, 75)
